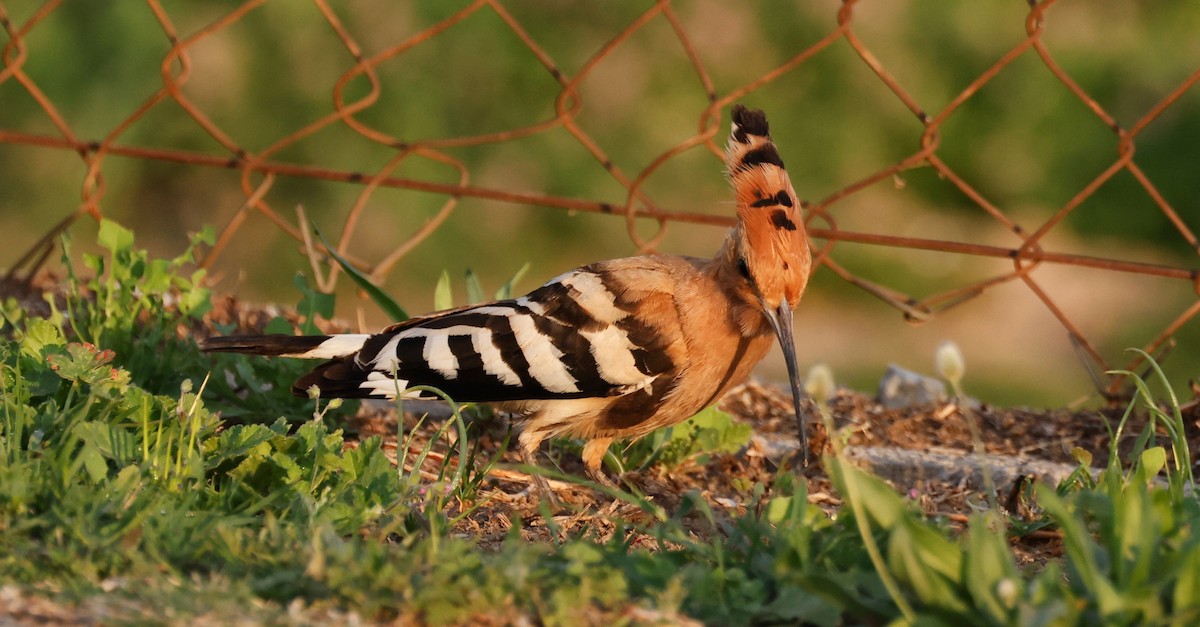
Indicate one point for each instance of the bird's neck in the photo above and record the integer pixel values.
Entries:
(744, 310)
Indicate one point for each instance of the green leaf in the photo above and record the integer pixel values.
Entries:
(442, 298)
(39, 336)
(82, 362)
(241, 440)
(93, 462)
(1152, 461)
(11, 312)
(794, 603)
(988, 564)
(474, 289)
(1187, 586)
(792, 510)
(1081, 550)
(196, 301)
(709, 431)
(206, 235)
(779, 508)
(114, 237)
(279, 325)
(506, 291)
(312, 304)
(881, 502)
(95, 263)
(385, 302)
(110, 441)
(928, 561)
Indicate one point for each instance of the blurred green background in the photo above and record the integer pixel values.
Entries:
(1024, 141)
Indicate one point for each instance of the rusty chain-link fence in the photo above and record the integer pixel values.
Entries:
(364, 59)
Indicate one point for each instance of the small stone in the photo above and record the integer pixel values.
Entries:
(904, 388)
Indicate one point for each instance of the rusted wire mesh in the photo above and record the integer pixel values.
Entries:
(260, 169)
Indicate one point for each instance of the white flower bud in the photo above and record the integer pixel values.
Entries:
(1006, 589)
(950, 364)
(819, 383)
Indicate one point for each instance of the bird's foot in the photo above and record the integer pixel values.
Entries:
(599, 476)
(796, 461)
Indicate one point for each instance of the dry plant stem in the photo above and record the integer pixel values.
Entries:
(310, 250)
(985, 467)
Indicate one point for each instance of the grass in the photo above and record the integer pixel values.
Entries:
(124, 482)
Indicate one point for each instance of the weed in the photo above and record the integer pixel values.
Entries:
(693, 441)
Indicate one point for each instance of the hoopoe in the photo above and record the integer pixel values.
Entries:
(611, 350)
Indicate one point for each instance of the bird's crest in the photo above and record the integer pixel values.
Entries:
(770, 229)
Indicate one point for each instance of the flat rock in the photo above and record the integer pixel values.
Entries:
(901, 388)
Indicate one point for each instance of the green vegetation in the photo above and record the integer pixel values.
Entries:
(112, 484)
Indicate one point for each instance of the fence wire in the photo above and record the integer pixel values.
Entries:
(261, 169)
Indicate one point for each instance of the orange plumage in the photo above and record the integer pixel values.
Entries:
(611, 350)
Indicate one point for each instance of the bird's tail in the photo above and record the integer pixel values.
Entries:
(302, 346)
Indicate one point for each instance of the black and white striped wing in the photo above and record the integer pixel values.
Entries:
(571, 338)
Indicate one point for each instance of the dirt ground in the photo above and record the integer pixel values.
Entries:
(926, 452)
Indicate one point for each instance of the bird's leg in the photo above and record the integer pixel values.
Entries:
(593, 457)
(539, 482)
(529, 443)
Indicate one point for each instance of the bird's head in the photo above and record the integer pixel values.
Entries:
(768, 248)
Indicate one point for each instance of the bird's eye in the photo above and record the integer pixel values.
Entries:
(743, 269)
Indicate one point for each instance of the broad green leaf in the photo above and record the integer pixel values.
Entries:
(196, 301)
(39, 335)
(158, 277)
(1136, 532)
(885, 507)
(114, 237)
(442, 298)
(1187, 586)
(92, 461)
(936, 550)
(109, 441)
(927, 562)
(1153, 460)
(1081, 550)
(780, 508)
(988, 567)
(82, 362)
(241, 440)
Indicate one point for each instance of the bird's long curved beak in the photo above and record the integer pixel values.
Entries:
(781, 322)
